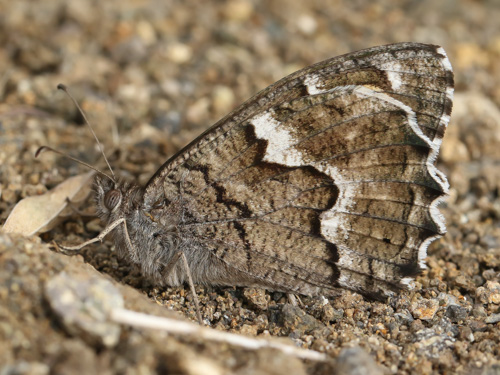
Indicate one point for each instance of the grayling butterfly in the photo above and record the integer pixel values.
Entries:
(325, 180)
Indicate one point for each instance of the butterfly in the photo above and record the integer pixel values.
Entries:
(324, 181)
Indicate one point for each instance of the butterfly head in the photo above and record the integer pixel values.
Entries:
(115, 199)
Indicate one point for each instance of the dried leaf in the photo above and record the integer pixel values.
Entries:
(41, 213)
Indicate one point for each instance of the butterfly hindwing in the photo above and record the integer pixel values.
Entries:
(326, 179)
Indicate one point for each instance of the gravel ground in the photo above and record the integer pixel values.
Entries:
(153, 75)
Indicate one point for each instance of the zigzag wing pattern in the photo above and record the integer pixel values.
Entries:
(326, 179)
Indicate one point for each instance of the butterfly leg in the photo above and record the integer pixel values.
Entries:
(170, 266)
(101, 236)
(191, 285)
(294, 300)
(172, 263)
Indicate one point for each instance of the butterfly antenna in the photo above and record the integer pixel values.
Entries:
(47, 148)
(65, 89)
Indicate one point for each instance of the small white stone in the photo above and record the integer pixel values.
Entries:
(307, 24)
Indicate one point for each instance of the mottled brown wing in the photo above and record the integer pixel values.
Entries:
(326, 179)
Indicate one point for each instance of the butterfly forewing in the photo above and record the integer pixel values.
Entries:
(324, 180)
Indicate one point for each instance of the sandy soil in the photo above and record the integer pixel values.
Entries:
(153, 75)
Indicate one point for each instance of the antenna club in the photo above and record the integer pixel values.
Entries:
(61, 86)
(40, 150)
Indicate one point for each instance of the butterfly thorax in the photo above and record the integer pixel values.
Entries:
(152, 237)
(123, 200)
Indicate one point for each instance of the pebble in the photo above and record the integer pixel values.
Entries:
(478, 326)
(307, 24)
(356, 361)
(239, 10)
(478, 311)
(222, 99)
(493, 288)
(490, 293)
(446, 299)
(431, 343)
(330, 314)
(27, 368)
(483, 137)
(83, 305)
(179, 53)
(466, 334)
(257, 298)
(297, 321)
(424, 309)
(404, 317)
(493, 318)
(456, 313)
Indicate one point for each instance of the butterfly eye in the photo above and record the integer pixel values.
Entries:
(112, 199)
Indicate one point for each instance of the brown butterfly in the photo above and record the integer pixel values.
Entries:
(325, 180)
